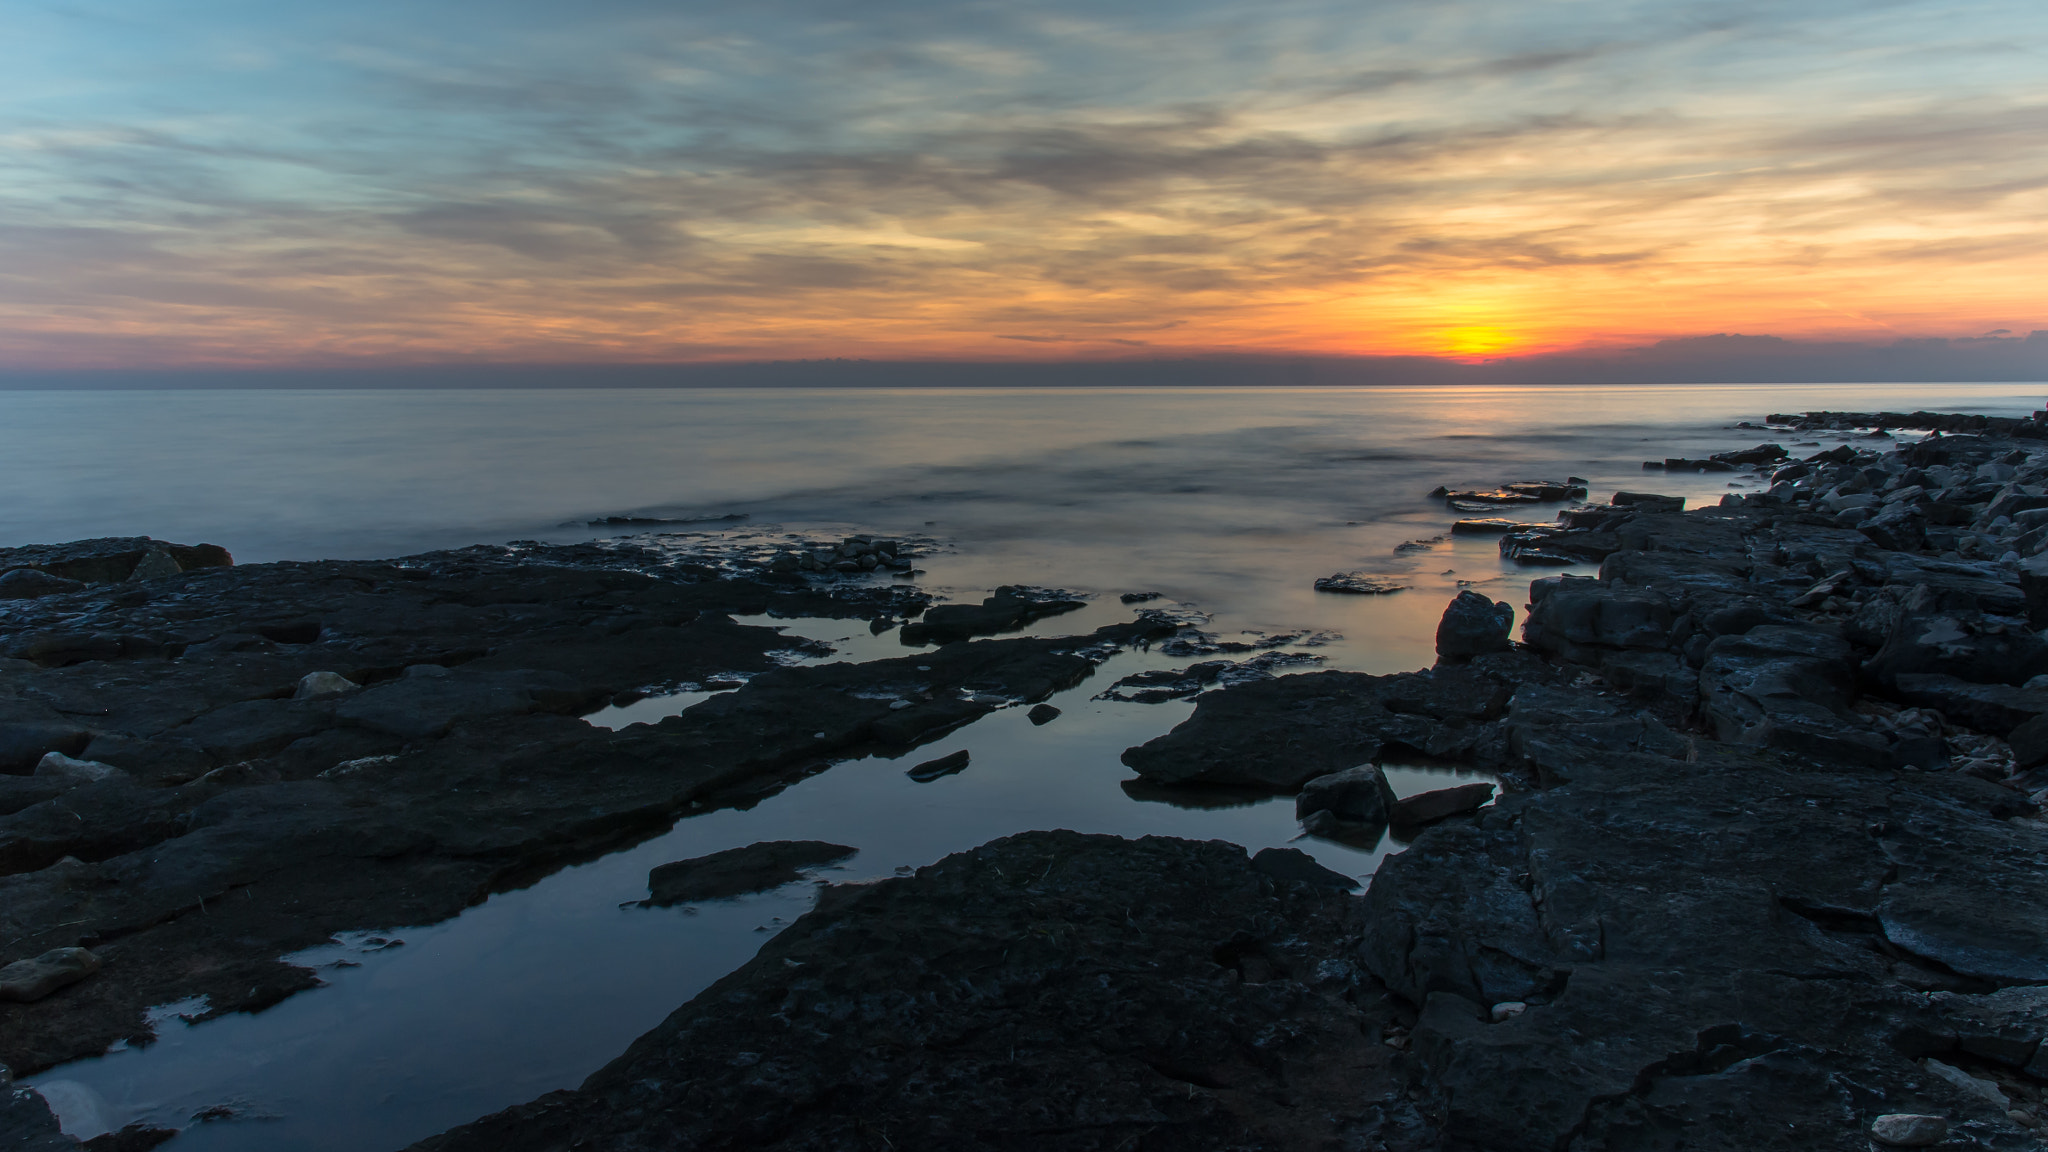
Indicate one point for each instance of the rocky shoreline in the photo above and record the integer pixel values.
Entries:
(1767, 871)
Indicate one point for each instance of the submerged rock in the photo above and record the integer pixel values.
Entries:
(739, 871)
(1360, 583)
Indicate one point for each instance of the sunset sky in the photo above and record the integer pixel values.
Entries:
(264, 184)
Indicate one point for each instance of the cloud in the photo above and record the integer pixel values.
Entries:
(638, 181)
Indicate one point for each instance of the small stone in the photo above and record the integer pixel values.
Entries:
(316, 684)
(27, 980)
(1506, 1009)
(1905, 1130)
(1042, 714)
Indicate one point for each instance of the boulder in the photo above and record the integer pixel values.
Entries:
(1042, 714)
(1360, 795)
(739, 871)
(26, 981)
(1473, 625)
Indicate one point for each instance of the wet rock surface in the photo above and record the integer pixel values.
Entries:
(175, 802)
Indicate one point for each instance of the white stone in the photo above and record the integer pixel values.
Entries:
(316, 684)
(1905, 1130)
(1968, 1083)
(1507, 1009)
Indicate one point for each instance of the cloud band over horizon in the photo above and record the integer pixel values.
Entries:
(240, 185)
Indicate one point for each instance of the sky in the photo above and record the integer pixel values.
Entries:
(225, 183)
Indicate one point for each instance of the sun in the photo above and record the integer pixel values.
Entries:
(1474, 340)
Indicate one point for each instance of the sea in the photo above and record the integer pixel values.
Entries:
(1227, 502)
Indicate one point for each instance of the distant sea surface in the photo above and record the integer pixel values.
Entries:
(1228, 501)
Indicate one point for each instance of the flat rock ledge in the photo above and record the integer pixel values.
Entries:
(1050, 990)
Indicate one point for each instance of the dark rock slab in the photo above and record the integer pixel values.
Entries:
(1048, 990)
(1993, 708)
(1360, 584)
(1429, 807)
(739, 871)
(1010, 608)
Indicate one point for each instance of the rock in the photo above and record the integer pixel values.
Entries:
(1486, 526)
(739, 871)
(1359, 795)
(26, 981)
(58, 766)
(1575, 615)
(31, 583)
(1473, 625)
(1907, 1130)
(1042, 714)
(1138, 597)
(1359, 583)
(1429, 807)
(1506, 1010)
(316, 684)
(944, 766)
(1976, 1086)
(1647, 502)
(1010, 608)
(1298, 867)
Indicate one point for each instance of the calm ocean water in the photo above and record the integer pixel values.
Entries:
(1229, 500)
